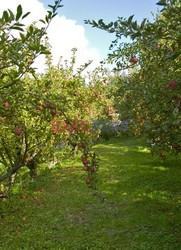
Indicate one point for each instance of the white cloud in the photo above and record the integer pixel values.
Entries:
(64, 34)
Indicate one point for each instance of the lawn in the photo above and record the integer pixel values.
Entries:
(137, 204)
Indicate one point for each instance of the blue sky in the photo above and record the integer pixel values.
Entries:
(79, 10)
(68, 30)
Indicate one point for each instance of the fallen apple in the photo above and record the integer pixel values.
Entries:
(172, 84)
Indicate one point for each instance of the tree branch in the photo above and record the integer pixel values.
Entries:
(7, 152)
(10, 173)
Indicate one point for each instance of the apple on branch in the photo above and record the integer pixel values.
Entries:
(6, 105)
(18, 131)
(134, 59)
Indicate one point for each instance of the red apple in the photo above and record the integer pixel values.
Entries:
(92, 169)
(88, 181)
(134, 60)
(6, 105)
(85, 162)
(85, 168)
(44, 105)
(53, 111)
(172, 84)
(18, 131)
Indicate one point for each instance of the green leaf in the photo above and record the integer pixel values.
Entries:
(111, 30)
(162, 3)
(130, 19)
(47, 18)
(51, 6)
(25, 15)
(135, 35)
(143, 23)
(31, 29)
(11, 14)
(42, 21)
(19, 24)
(6, 16)
(94, 23)
(22, 37)
(19, 12)
(110, 25)
(115, 25)
(135, 25)
(49, 13)
(54, 15)
(100, 22)
(16, 28)
(46, 52)
(173, 2)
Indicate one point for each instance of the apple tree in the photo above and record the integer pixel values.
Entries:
(76, 103)
(150, 94)
(19, 47)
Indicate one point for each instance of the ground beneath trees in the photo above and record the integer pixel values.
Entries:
(137, 206)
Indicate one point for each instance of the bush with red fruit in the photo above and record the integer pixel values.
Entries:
(91, 165)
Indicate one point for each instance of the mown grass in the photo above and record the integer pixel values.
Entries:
(137, 206)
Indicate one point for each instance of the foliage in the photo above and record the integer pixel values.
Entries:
(76, 103)
(29, 102)
(150, 95)
(19, 48)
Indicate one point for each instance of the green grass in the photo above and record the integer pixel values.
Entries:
(137, 206)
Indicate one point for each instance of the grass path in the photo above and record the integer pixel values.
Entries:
(138, 205)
